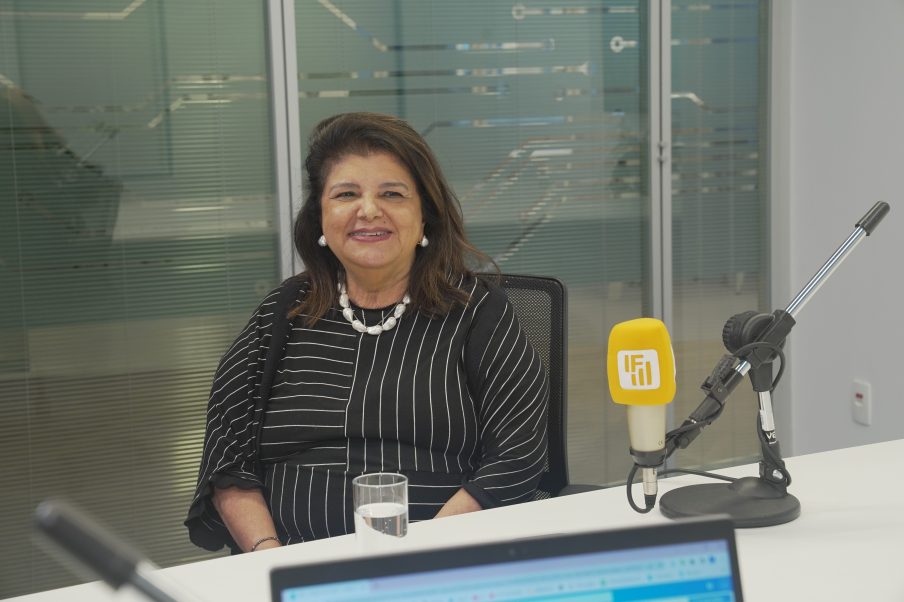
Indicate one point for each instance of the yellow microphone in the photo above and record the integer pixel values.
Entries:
(640, 364)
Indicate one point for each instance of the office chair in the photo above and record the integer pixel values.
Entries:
(542, 307)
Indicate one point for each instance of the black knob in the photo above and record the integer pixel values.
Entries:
(734, 330)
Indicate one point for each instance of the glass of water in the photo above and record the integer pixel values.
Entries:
(381, 509)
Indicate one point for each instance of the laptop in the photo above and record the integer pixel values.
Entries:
(693, 560)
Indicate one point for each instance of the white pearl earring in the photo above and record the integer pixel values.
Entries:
(322, 240)
(424, 242)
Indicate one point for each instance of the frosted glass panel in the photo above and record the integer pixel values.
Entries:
(538, 115)
(719, 204)
(136, 235)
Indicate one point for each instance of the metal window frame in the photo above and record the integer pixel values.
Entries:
(285, 124)
(781, 287)
(660, 103)
(660, 152)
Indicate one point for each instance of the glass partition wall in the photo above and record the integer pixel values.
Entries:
(139, 195)
(136, 236)
(719, 205)
(539, 117)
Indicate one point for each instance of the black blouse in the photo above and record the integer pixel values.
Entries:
(451, 402)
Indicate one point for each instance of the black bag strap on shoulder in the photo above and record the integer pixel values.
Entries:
(282, 326)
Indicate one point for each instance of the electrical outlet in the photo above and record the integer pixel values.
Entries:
(862, 402)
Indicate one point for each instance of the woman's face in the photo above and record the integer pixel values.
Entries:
(371, 214)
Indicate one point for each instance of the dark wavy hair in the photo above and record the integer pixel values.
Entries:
(437, 267)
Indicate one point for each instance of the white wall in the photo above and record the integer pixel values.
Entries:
(845, 150)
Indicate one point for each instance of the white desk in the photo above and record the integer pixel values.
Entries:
(845, 545)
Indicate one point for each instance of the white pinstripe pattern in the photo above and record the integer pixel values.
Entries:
(450, 400)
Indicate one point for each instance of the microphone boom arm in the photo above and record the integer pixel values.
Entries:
(764, 345)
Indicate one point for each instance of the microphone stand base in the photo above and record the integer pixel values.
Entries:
(750, 501)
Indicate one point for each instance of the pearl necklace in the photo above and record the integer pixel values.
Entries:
(388, 324)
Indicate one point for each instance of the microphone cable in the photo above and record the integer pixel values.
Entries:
(631, 474)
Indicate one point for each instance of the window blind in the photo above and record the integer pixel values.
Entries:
(137, 236)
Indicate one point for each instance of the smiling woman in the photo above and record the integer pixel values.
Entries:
(386, 154)
(372, 222)
(396, 358)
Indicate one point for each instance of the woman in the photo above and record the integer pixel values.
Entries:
(397, 358)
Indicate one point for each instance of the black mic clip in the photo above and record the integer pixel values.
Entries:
(717, 386)
(714, 385)
(648, 459)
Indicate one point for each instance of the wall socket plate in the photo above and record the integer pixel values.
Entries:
(862, 402)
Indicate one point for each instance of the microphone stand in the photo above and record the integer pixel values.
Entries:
(755, 340)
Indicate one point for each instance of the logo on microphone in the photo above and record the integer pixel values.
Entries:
(638, 369)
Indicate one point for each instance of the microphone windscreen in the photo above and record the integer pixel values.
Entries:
(640, 363)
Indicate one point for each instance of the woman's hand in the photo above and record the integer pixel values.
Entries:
(246, 516)
(460, 503)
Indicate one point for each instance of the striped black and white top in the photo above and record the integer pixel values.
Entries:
(451, 402)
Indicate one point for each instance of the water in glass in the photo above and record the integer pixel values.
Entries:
(374, 522)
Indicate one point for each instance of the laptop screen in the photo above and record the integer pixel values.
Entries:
(560, 568)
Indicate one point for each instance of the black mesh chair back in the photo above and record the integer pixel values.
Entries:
(541, 305)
